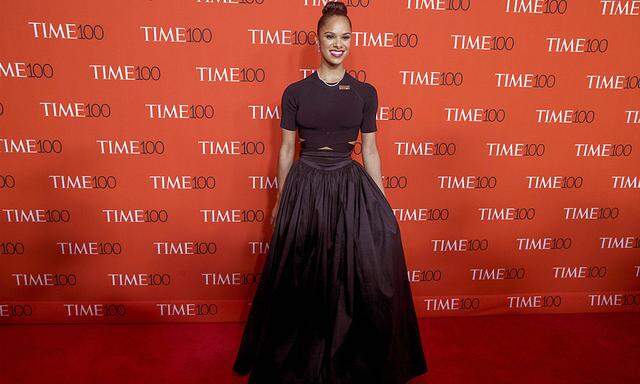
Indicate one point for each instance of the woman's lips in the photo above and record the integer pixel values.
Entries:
(336, 53)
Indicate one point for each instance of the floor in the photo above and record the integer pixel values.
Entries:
(570, 348)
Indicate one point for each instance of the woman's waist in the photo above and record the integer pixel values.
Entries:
(325, 158)
(335, 146)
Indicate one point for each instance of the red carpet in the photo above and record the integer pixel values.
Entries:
(577, 348)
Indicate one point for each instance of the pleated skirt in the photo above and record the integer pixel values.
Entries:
(333, 303)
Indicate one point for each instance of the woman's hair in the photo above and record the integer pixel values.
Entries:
(332, 8)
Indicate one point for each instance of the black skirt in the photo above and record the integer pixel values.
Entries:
(333, 303)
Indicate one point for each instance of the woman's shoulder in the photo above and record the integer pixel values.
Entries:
(295, 86)
(364, 84)
(366, 88)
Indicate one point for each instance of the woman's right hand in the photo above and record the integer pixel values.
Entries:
(274, 212)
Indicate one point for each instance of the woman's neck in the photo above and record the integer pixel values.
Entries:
(330, 74)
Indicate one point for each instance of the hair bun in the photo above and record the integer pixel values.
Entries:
(335, 7)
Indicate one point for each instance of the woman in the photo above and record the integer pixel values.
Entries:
(333, 304)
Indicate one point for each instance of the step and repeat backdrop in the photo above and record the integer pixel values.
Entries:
(139, 143)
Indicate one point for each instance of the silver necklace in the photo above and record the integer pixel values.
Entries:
(334, 84)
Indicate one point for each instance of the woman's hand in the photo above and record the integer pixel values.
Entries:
(274, 211)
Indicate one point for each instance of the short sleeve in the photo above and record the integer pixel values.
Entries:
(288, 109)
(370, 110)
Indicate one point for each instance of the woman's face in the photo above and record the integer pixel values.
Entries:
(334, 39)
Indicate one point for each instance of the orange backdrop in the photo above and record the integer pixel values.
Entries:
(139, 141)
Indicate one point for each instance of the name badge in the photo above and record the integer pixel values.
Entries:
(344, 87)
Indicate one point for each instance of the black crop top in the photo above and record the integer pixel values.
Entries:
(326, 115)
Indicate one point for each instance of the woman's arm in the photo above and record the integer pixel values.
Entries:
(285, 157)
(285, 160)
(371, 158)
